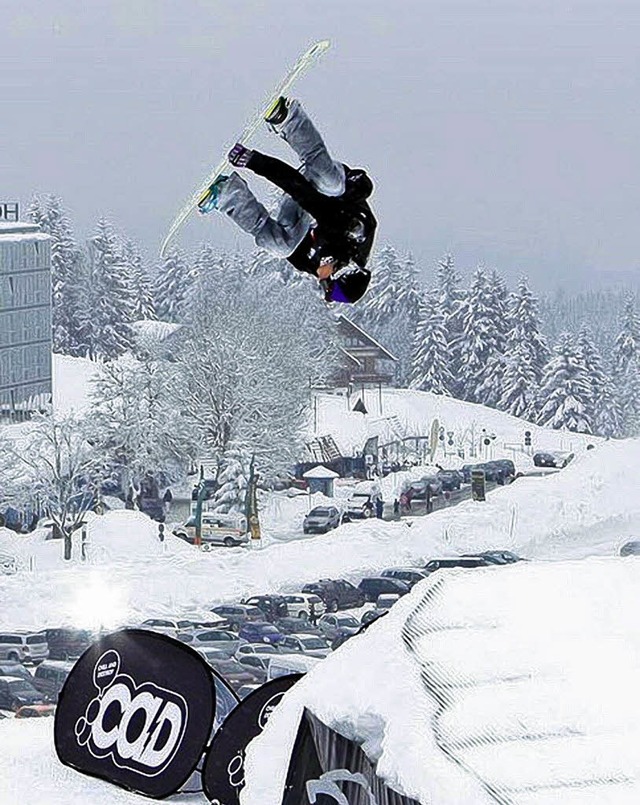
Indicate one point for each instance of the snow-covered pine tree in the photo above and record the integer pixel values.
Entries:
(565, 392)
(233, 481)
(629, 390)
(450, 304)
(525, 354)
(143, 307)
(107, 297)
(609, 417)
(627, 344)
(390, 308)
(172, 286)
(482, 341)
(519, 383)
(596, 374)
(66, 271)
(430, 362)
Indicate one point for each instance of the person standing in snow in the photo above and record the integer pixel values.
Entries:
(324, 226)
(379, 508)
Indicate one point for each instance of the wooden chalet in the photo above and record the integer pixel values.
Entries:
(365, 362)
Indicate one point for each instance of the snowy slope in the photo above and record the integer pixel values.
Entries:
(396, 413)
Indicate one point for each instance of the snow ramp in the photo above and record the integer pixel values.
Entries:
(514, 685)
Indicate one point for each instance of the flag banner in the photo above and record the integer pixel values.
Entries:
(328, 769)
(223, 774)
(136, 710)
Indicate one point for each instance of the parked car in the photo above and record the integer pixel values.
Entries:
(370, 615)
(307, 644)
(24, 646)
(362, 501)
(333, 626)
(217, 529)
(205, 620)
(336, 594)
(631, 548)
(500, 471)
(552, 458)
(271, 606)
(238, 614)
(244, 690)
(385, 601)
(15, 692)
(36, 711)
(456, 561)
(253, 649)
(260, 632)
(450, 480)
(222, 641)
(467, 469)
(212, 655)
(18, 669)
(67, 643)
(287, 664)
(499, 557)
(410, 575)
(236, 674)
(172, 627)
(258, 664)
(50, 676)
(373, 586)
(321, 519)
(293, 625)
(305, 606)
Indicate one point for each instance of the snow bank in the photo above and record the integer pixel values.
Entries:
(72, 382)
(515, 680)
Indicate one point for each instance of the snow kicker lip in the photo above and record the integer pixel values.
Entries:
(137, 711)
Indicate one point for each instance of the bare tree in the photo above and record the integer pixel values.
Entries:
(52, 459)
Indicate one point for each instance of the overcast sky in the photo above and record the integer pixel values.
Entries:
(504, 131)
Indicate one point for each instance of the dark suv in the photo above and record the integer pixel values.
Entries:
(238, 614)
(336, 594)
(272, 606)
(67, 643)
(456, 561)
(374, 586)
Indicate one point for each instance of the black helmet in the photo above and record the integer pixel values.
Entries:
(358, 185)
(348, 285)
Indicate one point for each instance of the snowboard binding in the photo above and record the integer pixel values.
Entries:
(211, 198)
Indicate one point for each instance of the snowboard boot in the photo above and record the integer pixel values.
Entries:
(239, 155)
(209, 201)
(277, 113)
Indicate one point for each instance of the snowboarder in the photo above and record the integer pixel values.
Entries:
(324, 225)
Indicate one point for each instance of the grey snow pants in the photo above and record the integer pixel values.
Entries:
(282, 234)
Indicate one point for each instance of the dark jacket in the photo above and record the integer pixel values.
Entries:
(344, 227)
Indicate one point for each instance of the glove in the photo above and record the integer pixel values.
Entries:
(239, 156)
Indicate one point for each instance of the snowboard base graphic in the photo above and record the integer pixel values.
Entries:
(301, 66)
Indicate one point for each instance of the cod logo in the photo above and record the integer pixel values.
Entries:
(136, 710)
(139, 726)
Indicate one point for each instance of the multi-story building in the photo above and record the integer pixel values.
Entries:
(25, 319)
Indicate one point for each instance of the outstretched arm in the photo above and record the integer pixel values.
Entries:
(291, 181)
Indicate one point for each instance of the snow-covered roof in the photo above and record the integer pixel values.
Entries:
(368, 337)
(320, 472)
(18, 231)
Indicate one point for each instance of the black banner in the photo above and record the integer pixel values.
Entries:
(328, 769)
(223, 775)
(136, 710)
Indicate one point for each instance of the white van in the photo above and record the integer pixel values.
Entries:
(284, 664)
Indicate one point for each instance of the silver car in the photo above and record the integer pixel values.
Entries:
(24, 646)
(307, 644)
(222, 641)
(321, 519)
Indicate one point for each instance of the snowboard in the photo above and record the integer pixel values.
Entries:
(301, 66)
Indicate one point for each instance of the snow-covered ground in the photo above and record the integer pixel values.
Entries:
(588, 509)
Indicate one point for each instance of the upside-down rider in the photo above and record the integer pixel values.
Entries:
(323, 226)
